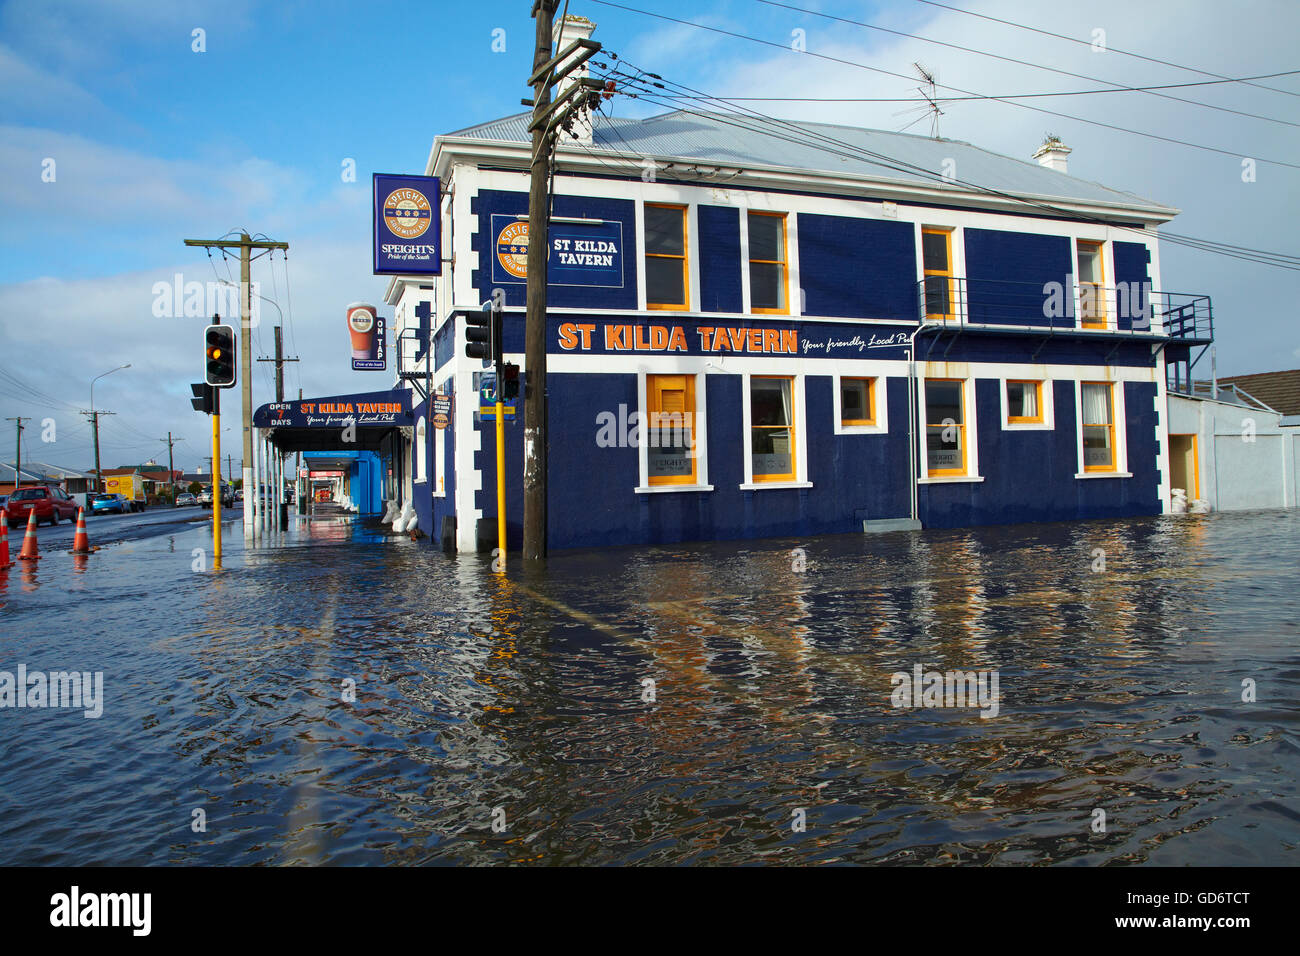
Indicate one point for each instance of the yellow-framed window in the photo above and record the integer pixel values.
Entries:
(936, 265)
(1024, 402)
(1098, 418)
(667, 278)
(771, 428)
(768, 263)
(945, 427)
(670, 429)
(857, 401)
(1092, 284)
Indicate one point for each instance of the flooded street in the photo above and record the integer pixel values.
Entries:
(714, 703)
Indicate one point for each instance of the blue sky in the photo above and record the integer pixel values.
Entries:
(154, 142)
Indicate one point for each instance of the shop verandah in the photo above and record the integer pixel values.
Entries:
(361, 441)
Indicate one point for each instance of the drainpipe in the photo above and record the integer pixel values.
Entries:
(1214, 373)
(912, 412)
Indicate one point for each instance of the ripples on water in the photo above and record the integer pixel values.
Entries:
(1120, 689)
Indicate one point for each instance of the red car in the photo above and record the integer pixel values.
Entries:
(50, 502)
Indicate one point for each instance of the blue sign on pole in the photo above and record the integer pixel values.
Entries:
(407, 225)
(581, 253)
(487, 399)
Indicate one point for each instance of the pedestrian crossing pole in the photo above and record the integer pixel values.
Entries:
(498, 352)
(216, 479)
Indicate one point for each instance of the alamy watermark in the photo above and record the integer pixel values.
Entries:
(923, 688)
(77, 690)
(179, 299)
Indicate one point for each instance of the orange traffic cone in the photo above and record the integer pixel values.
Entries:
(4, 541)
(80, 542)
(29, 552)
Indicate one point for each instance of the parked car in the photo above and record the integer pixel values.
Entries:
(205, 498)
(104, 503)
(50, 503)
(184, 499)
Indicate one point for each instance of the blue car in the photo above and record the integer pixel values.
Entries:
(102, 504)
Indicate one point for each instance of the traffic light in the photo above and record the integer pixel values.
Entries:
(202, 400)
(483, 335)
(509, 382)
(219, 356)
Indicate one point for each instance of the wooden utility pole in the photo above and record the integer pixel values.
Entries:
(535, 300)
(18, 459)
(245, 245)
(548, 120)
(93, 415)
(279, 361)
(171, 467)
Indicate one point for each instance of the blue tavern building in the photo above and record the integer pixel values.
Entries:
(753, 335)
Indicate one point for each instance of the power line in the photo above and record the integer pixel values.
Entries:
(1109, 49)
(1011, 59)
(977, 98)
(833, 145)
(874, 69)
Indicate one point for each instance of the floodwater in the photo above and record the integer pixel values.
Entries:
(689, 704)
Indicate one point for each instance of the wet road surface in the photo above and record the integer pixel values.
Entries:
(704, 703)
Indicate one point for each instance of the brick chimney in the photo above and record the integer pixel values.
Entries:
(565, 31)
(1053, 154)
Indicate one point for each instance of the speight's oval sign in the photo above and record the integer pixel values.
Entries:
(512, 249)
(407, 213)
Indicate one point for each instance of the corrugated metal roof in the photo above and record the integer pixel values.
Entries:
(717, 140)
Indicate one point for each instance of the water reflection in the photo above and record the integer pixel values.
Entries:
(341, 695)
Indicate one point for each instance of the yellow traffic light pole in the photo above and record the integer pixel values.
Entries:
(501, 472)
(216, 479)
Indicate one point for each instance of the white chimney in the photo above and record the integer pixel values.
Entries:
(565, 31)
(1053, 154)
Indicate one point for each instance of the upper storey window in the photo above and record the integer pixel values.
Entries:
(1092, 282)
(767, 263)
(936, 263)
(666, 282)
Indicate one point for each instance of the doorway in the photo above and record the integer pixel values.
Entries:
(1184, 465)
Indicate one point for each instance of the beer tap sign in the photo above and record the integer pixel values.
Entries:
(366, 330)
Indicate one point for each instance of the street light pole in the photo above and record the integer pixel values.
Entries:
(94, 421)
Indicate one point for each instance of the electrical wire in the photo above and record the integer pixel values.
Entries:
(1009, 59)
(1025, 106)
(1109, 49)
(781, 129)
(1000, 96)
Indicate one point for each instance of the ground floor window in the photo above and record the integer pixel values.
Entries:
(1098, 426)
(670, 430)
(945, 427)
(771, 428)
(857, 401)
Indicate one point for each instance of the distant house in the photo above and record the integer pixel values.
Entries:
(42, 472)
(1280, 391)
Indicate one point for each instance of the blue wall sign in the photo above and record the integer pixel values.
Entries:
(407, 225)
(581, 254)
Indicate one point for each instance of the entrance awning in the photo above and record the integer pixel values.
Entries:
(319, 424)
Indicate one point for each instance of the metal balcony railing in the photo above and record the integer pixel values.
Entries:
(1128, 309)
